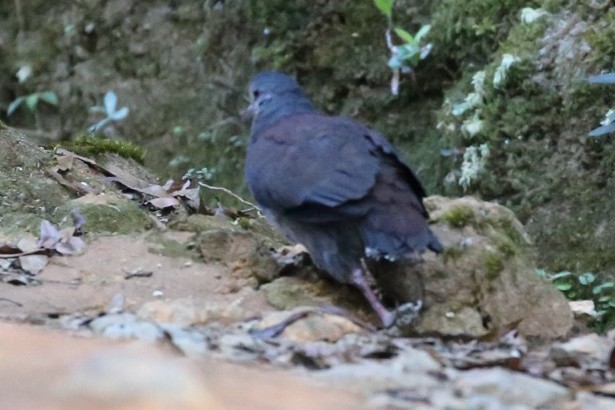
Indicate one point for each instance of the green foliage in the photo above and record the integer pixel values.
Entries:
(406, 56)
(587, 286)
(412, 50)
(468, 32)
(32, 100)
(203, 174)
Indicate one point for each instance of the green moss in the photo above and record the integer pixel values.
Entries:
(506, 226)
(507, 248)
(451, 253)
(202, 223)
(459, 216)
(91, 146)
(494, 264)
(116, 216)
(16, 224)
(171, 248)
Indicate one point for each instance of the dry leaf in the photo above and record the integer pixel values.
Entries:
(49, 235)
(65, 152)
(65, 162)
(73, 245)
(6, 249)
(162, 203)
(33, 263)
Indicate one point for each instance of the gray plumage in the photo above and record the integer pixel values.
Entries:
(331, 183)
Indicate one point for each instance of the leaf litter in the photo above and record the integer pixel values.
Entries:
(170, 195)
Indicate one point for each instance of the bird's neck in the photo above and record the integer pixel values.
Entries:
(280, 107)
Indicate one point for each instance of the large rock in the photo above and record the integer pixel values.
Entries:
(485, 279)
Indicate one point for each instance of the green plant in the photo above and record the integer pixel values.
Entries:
(110, 111)
(587, 286)
(406, 56)
(203, 174)
(32, 100)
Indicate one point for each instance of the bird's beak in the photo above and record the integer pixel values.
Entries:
(254, 108)
(248, 114)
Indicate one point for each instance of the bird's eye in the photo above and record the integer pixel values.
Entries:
(256, 93)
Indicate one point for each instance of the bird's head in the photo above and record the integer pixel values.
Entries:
(274, 95)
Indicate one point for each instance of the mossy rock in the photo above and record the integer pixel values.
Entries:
(108, 214)
(485, 278)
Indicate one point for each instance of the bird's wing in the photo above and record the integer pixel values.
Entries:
(310, 159)
(318, 161)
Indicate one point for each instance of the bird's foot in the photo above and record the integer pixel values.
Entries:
(407, 313)
(359, 280)
(387, 317)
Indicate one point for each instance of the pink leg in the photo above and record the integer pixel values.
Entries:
(358, 279)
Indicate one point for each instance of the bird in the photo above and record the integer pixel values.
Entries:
(333, 185)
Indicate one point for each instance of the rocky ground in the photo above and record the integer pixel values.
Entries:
(140, 303)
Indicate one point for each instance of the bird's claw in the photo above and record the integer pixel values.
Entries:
(407, 313)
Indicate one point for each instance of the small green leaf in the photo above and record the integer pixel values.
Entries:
(457, 111)
(605, 129)
(560, 275)
(606, 78)
(404, 35)
(395, 62)
(385, 6)
(564, 286)
(49, 97)
(13, 106)
(32, 101)
(422, 32)
(586, 278)
(605, 285)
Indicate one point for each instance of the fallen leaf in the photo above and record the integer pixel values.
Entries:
(162, 203)
(74, 186)
(33, 264)
(49, 235)
(71, 246)
(65, 162)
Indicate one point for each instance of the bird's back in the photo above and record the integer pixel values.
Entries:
(340, 189)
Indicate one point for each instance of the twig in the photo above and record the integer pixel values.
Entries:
(234, 195)
(11, 301)
(393, 49)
